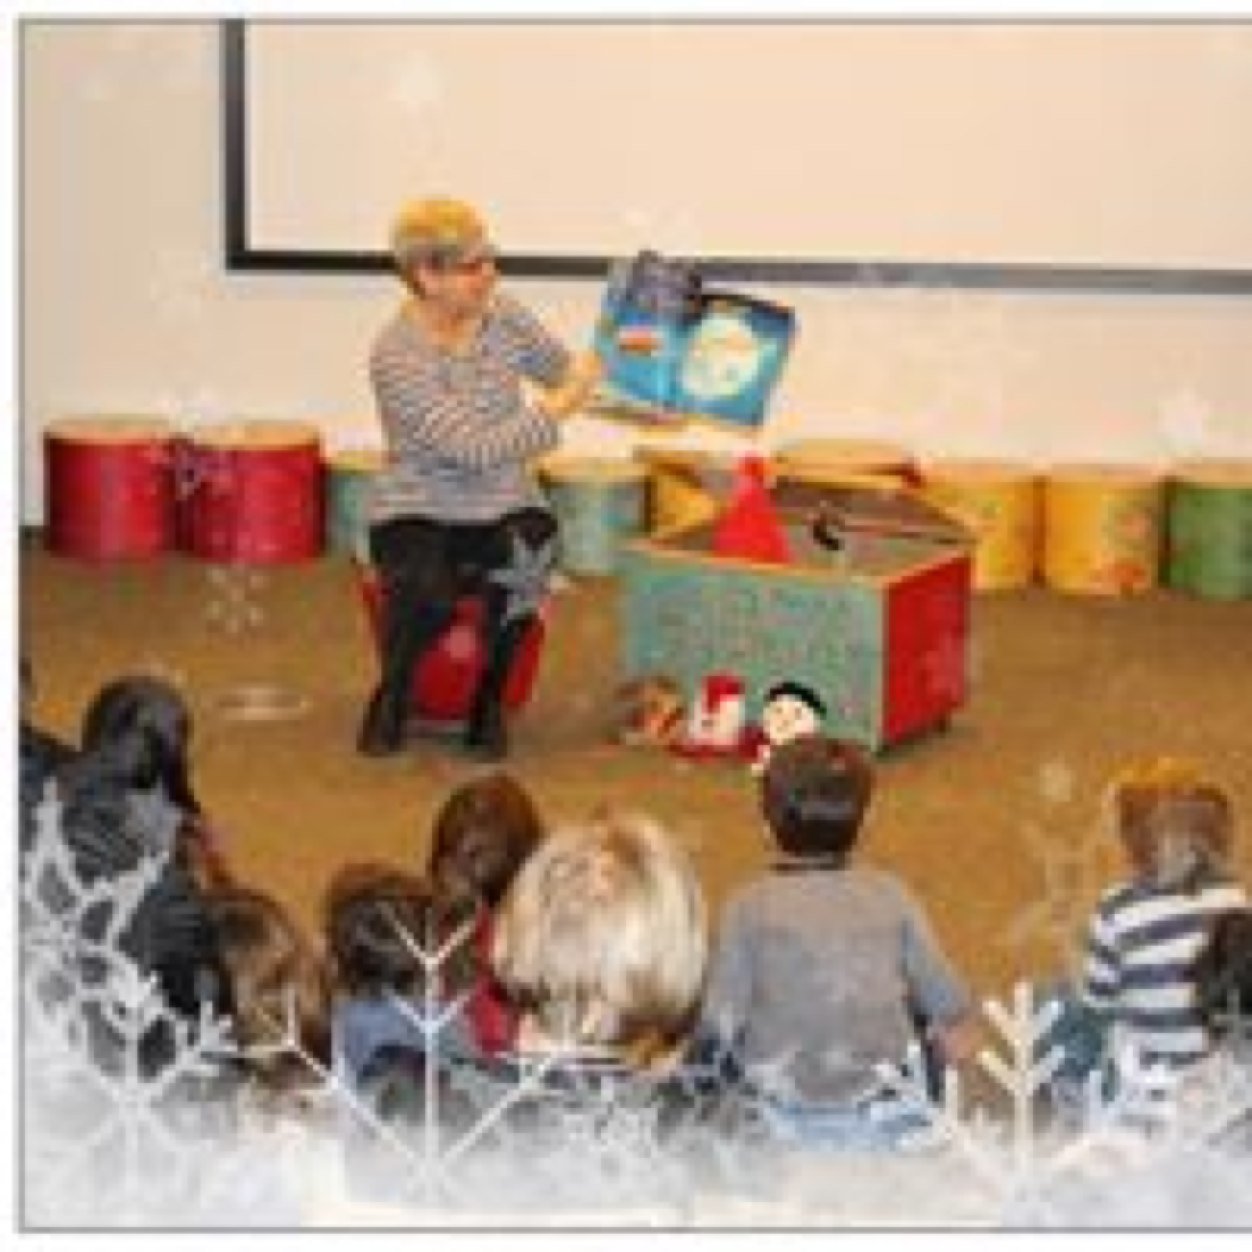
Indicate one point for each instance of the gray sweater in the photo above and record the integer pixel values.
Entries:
(814, 975)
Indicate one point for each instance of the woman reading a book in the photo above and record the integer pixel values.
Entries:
(470, 388)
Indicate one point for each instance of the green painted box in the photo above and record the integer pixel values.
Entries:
(879, 629)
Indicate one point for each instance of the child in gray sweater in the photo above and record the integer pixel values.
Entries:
(824, 969)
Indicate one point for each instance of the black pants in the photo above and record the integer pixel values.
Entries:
(427, 565)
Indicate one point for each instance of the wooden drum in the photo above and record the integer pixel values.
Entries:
(109, 488)
(598, 502)
(829, 460)
(999, 502)
(1210, 529)
(349, 477)
(1102, 529)
(253, 492)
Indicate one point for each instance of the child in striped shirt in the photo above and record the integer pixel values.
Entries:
(1146, 934)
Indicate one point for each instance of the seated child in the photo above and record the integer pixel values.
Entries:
(1146, 933)
(1223, 978)
(484, 832)
(376, 920)
(278, 993)
(823, 966)
(127, 798)
(602, 943)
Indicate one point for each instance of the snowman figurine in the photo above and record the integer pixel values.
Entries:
(790, 710)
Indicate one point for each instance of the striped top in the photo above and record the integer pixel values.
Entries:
(460, 435)
(1142, 946)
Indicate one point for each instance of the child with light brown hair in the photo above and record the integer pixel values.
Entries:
(1176, 830)
(278, 992)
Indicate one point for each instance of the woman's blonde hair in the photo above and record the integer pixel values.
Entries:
(1176, 826)
(602, 938)
(435, 229)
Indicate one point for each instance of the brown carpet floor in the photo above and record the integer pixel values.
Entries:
(993, 823)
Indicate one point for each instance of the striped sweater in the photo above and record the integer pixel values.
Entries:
(460, 435)
(1142, 945)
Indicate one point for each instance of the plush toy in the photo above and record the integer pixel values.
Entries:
(790, 710)
(717, 718)
(651, 712)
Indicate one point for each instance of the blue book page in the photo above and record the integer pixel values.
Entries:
(672, 351)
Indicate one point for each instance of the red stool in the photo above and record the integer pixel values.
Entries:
(446, 678)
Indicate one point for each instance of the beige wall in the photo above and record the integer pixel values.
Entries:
(126, 306)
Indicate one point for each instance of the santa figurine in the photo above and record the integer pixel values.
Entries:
(790, 709)
(716, 722)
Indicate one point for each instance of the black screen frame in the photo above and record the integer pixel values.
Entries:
(242, 256)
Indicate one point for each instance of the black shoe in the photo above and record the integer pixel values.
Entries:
(486, 736)
(382, 730)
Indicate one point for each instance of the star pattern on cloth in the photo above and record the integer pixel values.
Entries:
(525, 578)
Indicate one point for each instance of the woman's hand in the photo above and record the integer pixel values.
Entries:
(585, 372)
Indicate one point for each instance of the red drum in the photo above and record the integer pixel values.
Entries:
(251, 492)
(446, 678)
(109, 488)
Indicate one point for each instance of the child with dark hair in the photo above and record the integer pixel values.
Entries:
(823, 967)
(1223, 977)
(485, 831)
(126, 798)
(278, 992)
(377, 923)
(137, 730)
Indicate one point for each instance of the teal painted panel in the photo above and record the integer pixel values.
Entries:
(689, 617)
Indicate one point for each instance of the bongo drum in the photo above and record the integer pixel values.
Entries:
(999, 502)
(1102, 529)
(827, 460)
(598, 502)
(109, 488)
(349, 475)
(1210, 529)
(253, 492)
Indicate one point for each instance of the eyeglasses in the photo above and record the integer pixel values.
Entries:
(475, 263)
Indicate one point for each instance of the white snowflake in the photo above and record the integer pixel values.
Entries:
(114, 1146)
(525, 578)
(418, 88)
(1185, 421)
(233, 603)
(1056, 781)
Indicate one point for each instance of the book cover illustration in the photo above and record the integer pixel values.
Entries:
(673, 350)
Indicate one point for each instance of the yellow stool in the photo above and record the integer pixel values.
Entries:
(1102, 528)
(999, 502)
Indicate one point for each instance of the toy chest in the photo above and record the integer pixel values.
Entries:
(878, 627)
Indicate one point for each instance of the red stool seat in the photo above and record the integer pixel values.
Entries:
(446, 678)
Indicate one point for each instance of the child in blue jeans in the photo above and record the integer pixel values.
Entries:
(823, 967)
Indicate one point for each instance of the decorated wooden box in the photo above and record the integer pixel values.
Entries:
(873, 615)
